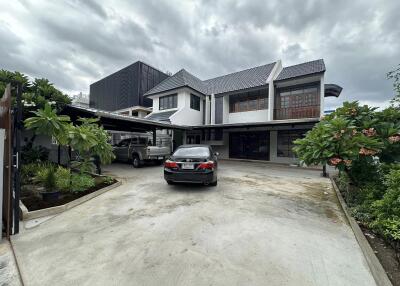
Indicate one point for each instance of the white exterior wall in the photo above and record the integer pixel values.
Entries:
(185, 115)
(225, 109)
(248, 116)
(156, 104)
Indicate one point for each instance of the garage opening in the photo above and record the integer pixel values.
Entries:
(249, 145)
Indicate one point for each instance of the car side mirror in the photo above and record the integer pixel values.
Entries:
(216, 154)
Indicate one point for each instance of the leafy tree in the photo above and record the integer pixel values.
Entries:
(88, 139)
(348, 134)
(47, 122)
(35, 94)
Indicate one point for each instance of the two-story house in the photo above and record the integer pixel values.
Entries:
(255, 113)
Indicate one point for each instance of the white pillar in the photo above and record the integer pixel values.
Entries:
(212, 106)
(207, 113)
(271, 100)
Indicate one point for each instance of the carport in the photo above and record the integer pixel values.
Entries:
(124, 123)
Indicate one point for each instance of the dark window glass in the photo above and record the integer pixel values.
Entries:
(285, 142)
(194, 102)
(168, 102)
(192, 152)
(142, 140)
(218, 134)
(124, 143)
(248, 101)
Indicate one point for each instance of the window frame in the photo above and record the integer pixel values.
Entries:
(195, 102)
(169, 101)
(254, 100)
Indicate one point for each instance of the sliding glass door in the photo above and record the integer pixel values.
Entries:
(249, 145)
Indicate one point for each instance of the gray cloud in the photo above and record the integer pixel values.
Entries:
(77, 42)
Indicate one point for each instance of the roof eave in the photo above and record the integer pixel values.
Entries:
(169, 90)
(300, 77)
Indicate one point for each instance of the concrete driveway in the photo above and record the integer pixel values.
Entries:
(262, 225)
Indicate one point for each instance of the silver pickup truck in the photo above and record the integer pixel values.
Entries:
(139, 148)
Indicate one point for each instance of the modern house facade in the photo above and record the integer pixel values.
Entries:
(255, 113)
(125, 88)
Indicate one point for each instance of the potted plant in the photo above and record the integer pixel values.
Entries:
(46, 177)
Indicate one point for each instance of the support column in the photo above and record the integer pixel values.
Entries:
(154, 137)
(322, 89)
(212, 106)
(273, 145)
(271, 101)
(207, 111)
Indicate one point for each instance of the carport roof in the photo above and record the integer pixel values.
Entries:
(114, 121)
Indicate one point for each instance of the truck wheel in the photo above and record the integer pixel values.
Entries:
(136, 161)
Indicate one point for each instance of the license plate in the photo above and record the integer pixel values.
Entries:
(187, 166)
(160, 158)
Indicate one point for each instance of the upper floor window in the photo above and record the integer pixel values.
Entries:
(248, 101)
(297, 102)
(194, 102)
(168, 101)
(299, 97)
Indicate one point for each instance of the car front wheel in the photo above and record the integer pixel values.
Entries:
(214, 183)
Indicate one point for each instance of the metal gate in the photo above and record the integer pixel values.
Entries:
(6, 123)
(11, 122)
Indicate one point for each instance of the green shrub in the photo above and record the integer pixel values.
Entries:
(63, 180)
(28, 172)
(386, 211)
(81, 182)
(46, 176)
(389, 228)
(34, 154)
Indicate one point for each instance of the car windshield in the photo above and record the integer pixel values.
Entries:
(199, 151)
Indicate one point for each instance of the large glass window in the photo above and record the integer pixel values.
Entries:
(168, 101)
(194, 102)
(285, 141)
(248, 101)
(297, 102)
(299, 97)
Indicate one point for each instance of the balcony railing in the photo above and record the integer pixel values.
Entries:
(297, 112)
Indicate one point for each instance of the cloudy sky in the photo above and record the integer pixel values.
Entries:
(74, 43)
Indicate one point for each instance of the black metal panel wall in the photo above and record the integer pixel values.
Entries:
(125, 88)
(219, 110)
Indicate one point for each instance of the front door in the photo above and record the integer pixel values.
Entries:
(249, 145)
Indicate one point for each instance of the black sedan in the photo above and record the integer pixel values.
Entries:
(192, 164)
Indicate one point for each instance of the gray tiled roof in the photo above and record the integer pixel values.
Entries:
(180, 79)
(244, 79)
(161, 116)
(302, 69)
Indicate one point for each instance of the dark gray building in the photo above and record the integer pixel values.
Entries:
(125, 88)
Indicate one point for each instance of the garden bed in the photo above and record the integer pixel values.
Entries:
(32, 199)
(32, 206)
(386, 252)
